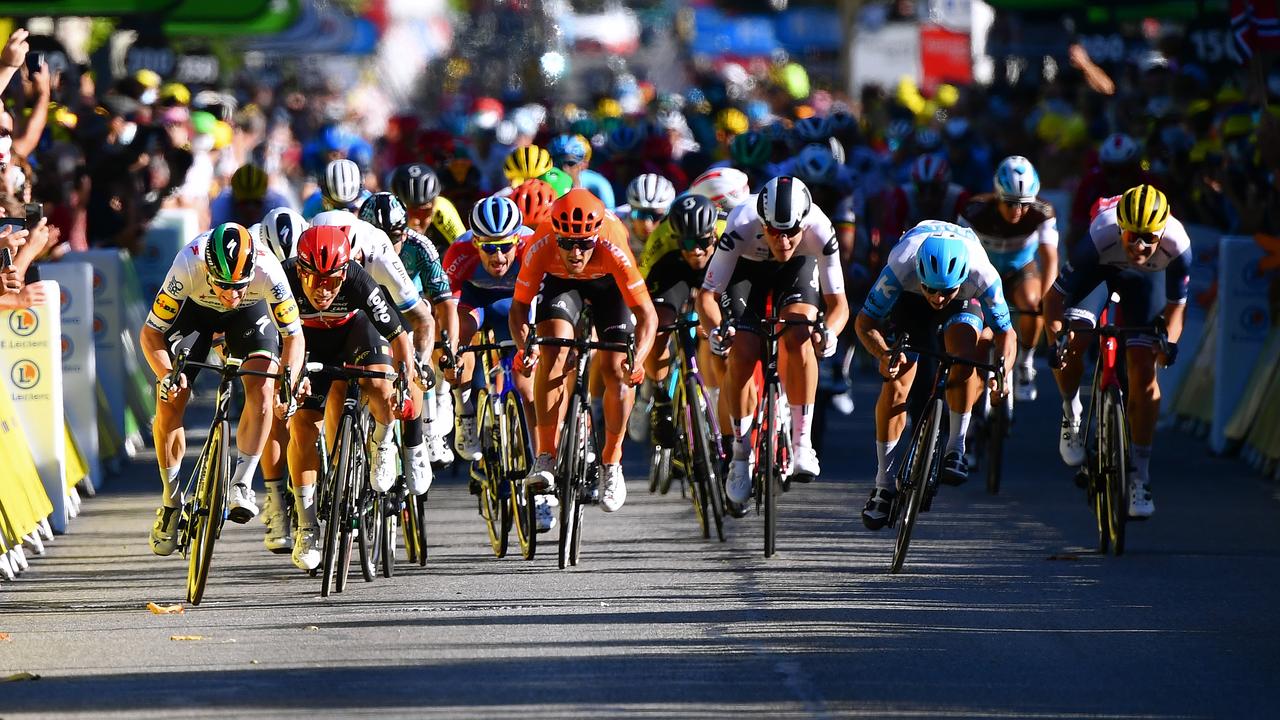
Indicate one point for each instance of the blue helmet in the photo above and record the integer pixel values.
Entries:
(567, 150)
(942, 262)
(1017, 180)
(624, 139)
(495, 217)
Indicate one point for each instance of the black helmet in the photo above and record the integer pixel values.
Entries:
(693, 218)
(415, 184)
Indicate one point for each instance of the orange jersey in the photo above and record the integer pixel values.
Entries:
(611, 256)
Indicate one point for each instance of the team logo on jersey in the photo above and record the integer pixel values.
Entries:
(381, 312)
(280, 291)
(832, 247)
(165, 307)
(286, 312)
(174, 287)
(727, 241)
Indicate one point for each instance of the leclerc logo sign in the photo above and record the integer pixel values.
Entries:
(23, 322)
(25, 374)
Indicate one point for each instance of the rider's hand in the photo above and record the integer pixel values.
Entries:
(892, 364)
(1168, 355)
(825, 342)
(721, 339)
(167, 387)
(526, 362)
(634, 375)
(425, 377)
(1062, 350)
(285, 410)
(449, 370)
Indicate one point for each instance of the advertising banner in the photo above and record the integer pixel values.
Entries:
(945, 57)
(109, 322)
(1244, 317)
(31, 359)
(79, 358)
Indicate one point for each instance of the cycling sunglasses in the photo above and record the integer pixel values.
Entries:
(1142, 240)
(229, 285)
(583, 244)
(492, 248)
(1015, 204)
(938, 292)
(689, 244)
(654, 215)
(316, 281)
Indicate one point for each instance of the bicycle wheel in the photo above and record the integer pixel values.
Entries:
(1114, 429)
(997, 428)
(588, 446)
(686, 455)
(705, 465)
(521, 509)
(389, 533)
(357, 479)
(368, 531)
(923, 458)
(567, 481)
(767, 471)
(206, 521)
(337, 480)
(491, 453)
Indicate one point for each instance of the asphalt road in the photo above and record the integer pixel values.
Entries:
(1003, 610)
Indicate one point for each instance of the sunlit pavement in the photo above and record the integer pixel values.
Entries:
(1003, 609)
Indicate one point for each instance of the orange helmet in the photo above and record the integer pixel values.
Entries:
(534, 198)
(577, 213)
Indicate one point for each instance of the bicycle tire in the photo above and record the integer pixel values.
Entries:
(207, 521)
(418, 511)
(766, 465)
(1115, 424)
(685, 446)
(704, 462)
(566, 482)
(408, 521)
(522, 507)
(333, 518)
(368, 528)
(997, 427)
(529, 549)
(357, 480)
(491, 445)
(588, 446)
(923, 461)
(388, 535)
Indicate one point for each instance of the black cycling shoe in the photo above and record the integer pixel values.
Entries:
(875, 514)
(662, 426)
(954, 469)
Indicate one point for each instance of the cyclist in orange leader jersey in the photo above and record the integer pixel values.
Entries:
(581, 257)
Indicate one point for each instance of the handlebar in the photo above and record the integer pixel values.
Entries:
(947, 359)
(582, 345)
(501, 346)
(1113, 331)
(344, 372)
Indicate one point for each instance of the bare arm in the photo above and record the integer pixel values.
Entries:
(13, 55)
(1048, 255)
(424, 329)
(33, 127)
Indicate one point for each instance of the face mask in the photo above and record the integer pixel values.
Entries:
(127, 133)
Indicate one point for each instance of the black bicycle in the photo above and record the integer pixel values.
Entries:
(696, 453)
(204, 509)
(578, 457)
(917, 475)
(773, 430)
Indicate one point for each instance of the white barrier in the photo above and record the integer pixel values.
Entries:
(166, 234)
(31, 359)
(1244, 320)
(79, 365)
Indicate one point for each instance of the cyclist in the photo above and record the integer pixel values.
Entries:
(279, 231)
(572, 154)
(937, 279)
(341, 188)
(752, 152)
(581, 257)
(832, 186)
(772, 250)
(1132, 243)
(534, 198)
(674, 264)
(726, 187)
(346, 320)
(929, 195)
(247, 198)
(219, 282)
(649, 197)
(1018, 231)
(430, 213)
(482, 268)
(526, 163)
(1119, 168)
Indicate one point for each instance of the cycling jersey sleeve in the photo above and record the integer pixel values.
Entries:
(427, 268)
(1177, 276)
(284, 308)
(446, 220)
(533, 268)
(459, 262)
(830, 274)
(720, 269)
(173, 291)
(994, 308)
(365, 294)
(1047, 233)
(1081, 271)
(883, 296)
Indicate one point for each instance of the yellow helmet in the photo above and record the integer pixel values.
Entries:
(1143, 210)
(249, 183)
(526, 163)
(732, 121)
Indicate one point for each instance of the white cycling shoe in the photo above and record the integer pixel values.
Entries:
(164, 533)
(542, 475)
(1141, 506)
(804, 464)
(306, 548)
(420, 474)
(738, 486)
(277, 539)
(242, 504)
(1071, 442)
(613, 488)
(546, 508)
(466, 437)
(382, 470)
(438, 452)
(1024, 383)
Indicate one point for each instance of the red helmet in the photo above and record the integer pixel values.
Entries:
(578, 213)
(324, 249)
(930, 168)
(534, 198)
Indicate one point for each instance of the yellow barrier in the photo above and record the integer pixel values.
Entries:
(23, 501)
(76, 470)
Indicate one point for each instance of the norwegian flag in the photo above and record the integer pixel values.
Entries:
(1255, 25)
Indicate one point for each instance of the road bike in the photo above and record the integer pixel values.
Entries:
(917, 475)
(577, 459)
(204, 509)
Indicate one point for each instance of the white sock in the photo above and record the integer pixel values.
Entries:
(741, 435)
(172, 493)
(1141, 461)
(1073, 407)
(275, 489)
(1026, 357)
(380, 431)
(884, 462)
(959, 428)
(245, 467)
(305, 496)
(802, 425)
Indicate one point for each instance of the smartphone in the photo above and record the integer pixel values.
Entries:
(35, 213)
(35, 60)
(17, 223)
(6, 258)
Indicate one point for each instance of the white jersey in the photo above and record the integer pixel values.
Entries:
(744, 239)
(375, 252)
(1104, 235)
(188, 280)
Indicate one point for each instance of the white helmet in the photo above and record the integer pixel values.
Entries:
(783, 203)
(1016, 179)
(726, 187)
(1118, 149)
(341, 183)
(280, 230)
(651, 192)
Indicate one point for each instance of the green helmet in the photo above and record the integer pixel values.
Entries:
(558, 179)
(751, 149)
(229, 255)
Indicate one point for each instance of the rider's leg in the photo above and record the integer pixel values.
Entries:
(618, 397)
(552, 378)
(963, 384)
(253, 428)
(171, 443)
(798, 368)
(891, 421)
(469, 321)
(740, 393)
(304, 462)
